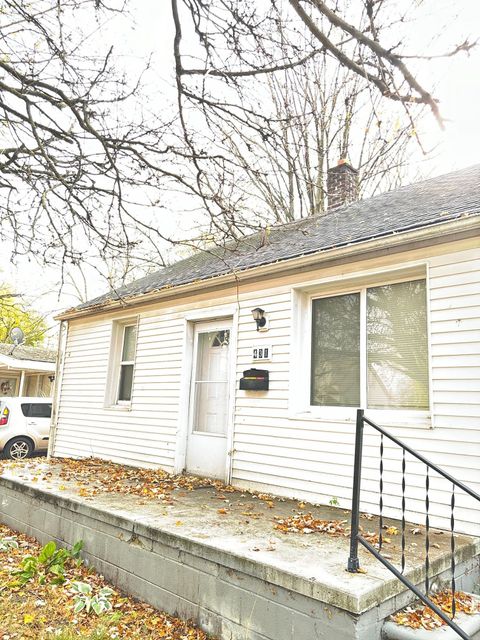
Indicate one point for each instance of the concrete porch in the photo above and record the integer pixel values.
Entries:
(215, 557)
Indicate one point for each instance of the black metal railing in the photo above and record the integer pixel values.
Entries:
(356, 536)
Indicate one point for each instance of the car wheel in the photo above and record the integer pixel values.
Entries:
(18, 448)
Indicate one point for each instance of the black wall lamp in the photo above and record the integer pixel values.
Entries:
(259, 317)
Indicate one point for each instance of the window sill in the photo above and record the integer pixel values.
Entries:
(210, 434)
(118, 407)
(389, 421)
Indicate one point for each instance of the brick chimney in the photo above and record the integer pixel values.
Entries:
(342, 185)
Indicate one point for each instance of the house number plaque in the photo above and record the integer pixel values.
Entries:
(262, 352)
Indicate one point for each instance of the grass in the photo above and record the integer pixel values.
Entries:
(102, 633)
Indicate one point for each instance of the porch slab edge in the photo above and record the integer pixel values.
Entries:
(134, 530)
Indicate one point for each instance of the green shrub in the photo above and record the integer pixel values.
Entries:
(7, 543)
(85, 599)
(49, 566)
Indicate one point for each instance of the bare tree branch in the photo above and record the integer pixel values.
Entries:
(423, 96)
(218, 73)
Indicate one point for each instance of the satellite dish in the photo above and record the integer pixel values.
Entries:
(17, 336)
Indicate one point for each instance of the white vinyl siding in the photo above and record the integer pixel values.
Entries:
(146, 433)
(275, 448)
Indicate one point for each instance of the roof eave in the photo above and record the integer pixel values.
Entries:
(28, 365)
(392, 240)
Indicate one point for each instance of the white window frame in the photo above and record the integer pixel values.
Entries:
(300, 387)
(116, 350)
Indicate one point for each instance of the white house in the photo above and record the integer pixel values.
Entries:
(375, 304)
(26, 371)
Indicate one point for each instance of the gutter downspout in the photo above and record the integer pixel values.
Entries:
(62, 335)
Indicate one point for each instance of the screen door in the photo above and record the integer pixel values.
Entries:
(209, 400)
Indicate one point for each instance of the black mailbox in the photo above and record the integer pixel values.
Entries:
(254, 380)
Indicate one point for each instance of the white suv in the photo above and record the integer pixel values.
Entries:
(24, 426)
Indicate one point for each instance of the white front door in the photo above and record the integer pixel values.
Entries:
(209, 400)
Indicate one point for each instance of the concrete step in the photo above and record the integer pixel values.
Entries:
(469, 624)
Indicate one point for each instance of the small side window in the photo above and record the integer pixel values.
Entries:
(40, 410)
(26, 409)
(127, 359)
(122, 363)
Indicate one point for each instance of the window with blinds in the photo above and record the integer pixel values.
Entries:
(392, 366)
(397, 346)
(335, 379)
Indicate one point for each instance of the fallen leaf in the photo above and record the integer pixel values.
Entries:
(391, 531)
(306, 523)
(422, 617)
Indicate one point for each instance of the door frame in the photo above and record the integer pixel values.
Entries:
(224, 313)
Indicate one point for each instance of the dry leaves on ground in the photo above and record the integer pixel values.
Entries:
(423, 617)
(91, 477)
(307, 523)
(37, 612)
(94, 476)
(117, 478)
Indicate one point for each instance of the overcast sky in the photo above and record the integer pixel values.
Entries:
(456, 82)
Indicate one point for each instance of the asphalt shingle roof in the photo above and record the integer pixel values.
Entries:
(24, 352)
(423, 204)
